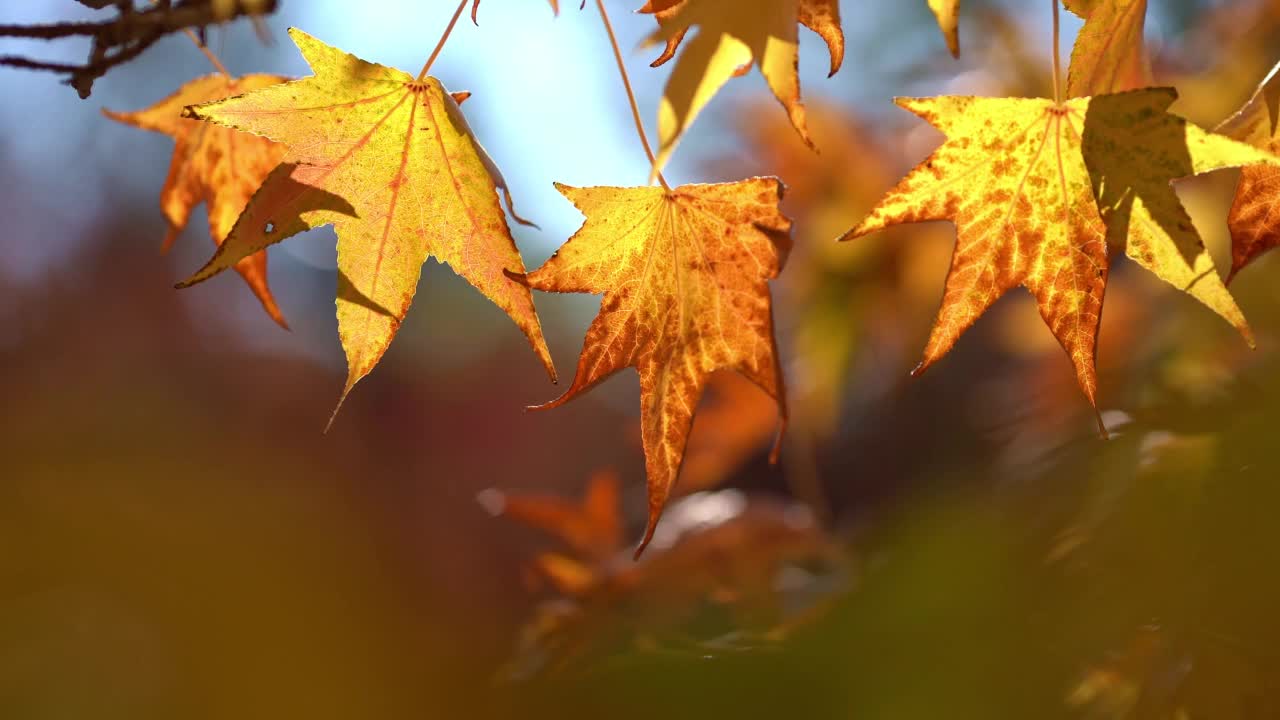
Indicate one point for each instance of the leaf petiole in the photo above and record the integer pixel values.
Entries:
(631, 96)
(443, 38)
(1057, 64)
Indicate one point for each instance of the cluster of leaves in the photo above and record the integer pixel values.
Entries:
(683, 576)
(1038, 189)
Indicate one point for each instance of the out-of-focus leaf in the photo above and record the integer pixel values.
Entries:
(213, 165)
(1255, 214)
(728, 570)
(733, 35)
(948, 14)
(735, 421)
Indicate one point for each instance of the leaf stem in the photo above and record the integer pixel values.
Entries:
(213, 58)
(631, 95)
(1057, 64)
(443, 38)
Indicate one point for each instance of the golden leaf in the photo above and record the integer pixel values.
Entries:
(685, 280)
(418, 184)
(733, 35)
(1029, 183)
(1109, 55)
(212, 165)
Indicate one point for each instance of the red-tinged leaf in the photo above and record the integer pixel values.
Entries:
(213, 165)
(685, 280)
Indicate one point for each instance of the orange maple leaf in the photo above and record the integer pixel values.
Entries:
(1028, 183)
(1109, 55)
(591, 527)
(212, 165)
(685, 280)
(418, 182)
(1254, 219)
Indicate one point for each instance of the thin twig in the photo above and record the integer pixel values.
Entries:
(631, 95)
(443, 38)
(204, 48)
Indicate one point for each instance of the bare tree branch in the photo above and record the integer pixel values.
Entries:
(128, 34)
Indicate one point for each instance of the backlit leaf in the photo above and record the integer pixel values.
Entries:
(1255, 215)
(418, 184)
(685, 280)
(1019, 178)
(213, 165)
(1109, 55)
(733, 35)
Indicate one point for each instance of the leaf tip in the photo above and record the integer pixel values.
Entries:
(649, 529)
(169, 238)
(775, 452)
(519, 277)
(334, 415)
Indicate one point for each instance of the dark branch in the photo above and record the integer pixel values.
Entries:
(128, 34)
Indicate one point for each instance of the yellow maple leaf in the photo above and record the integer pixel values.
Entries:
(1109, 54)
(1035, 188)
(1254, 219)
(685, 280)
(733, 35)
(418, 182)
(213, 165)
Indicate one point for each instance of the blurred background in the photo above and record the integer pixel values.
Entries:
(178, 539)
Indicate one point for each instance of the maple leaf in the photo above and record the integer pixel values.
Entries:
(1254, 219)
(418, 182)
(212, 165)
(592, 527)
(685, 280)
(1028, 183)
(1109, 55)
(733, 35)
(734, 424)
(948, 14)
